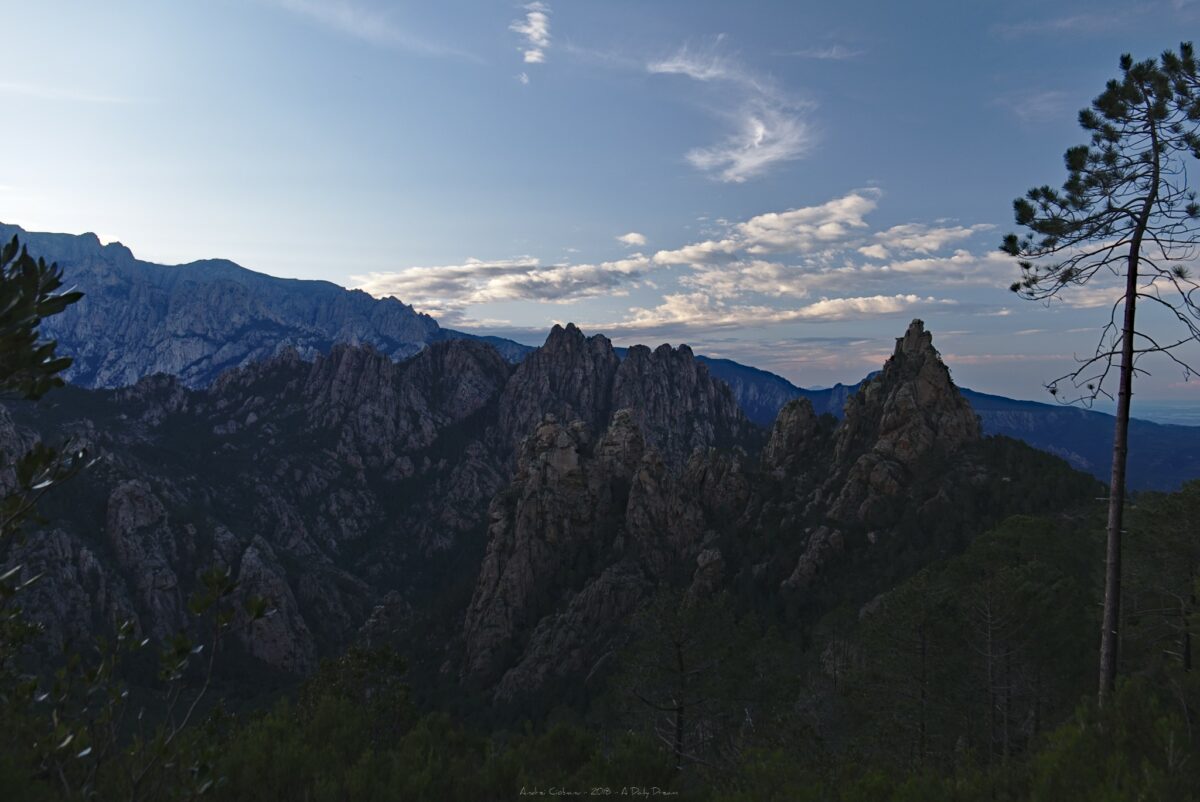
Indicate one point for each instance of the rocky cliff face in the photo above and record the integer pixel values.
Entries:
(677, 405)
(570, 377)
(334, 484)
(513, 516)
(597, 521)
(596, 518)
(586, 532)
(321, 485)
(613, 490)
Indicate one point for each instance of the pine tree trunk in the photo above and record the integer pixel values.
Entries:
(1109, 628)
(1109, 634)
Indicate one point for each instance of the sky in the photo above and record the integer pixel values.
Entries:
(781, 183)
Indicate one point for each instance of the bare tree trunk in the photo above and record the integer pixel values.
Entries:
(1109, 628)
(681, 667)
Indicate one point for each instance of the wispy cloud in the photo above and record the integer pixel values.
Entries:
(1079, 24)
(704, 64)
(766, 135)
(534, 28)
(1040, 106)
(446, 291)
(767, 126)
(633, 239)
(827, 53)
(55, 93)
(367, 24)
(921, 238)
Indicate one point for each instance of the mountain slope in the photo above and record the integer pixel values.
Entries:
(195, 320)
(344, 488)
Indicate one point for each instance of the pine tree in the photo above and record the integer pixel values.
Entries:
(1126, 212)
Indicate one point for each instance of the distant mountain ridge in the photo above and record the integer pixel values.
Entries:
(197, 320)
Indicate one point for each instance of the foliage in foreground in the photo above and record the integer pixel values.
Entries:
(988, 708)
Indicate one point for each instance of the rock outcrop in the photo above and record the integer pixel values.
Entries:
(630, 465)
(677, 405)
(906, 415)
(587, 530)
(904, 477)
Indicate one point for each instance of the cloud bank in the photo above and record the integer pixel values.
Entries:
(812, 264)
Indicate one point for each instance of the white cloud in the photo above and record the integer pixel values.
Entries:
(740, 278)
(523, 78)
(1091, 297)
(767, 126)
(926, 239)
(360, 22)
(765, 270)
(959, 269)
(827, 53)
(1046, 105)
(765, 136)
(803, 229)
(699, 310)
(704, 65)
(535, 30)
(829, 247)
(697, 253)
(448, 290)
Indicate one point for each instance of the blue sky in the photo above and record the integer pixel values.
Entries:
(781, 183)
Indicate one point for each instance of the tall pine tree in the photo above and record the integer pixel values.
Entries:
(1124, 222)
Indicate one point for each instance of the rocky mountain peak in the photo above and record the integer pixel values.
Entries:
(791, 437)
(677, 404)
(570, 377)
(907, 412)
(915, 340)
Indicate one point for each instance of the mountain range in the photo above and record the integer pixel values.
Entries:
(501, 521)
(196, 320)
